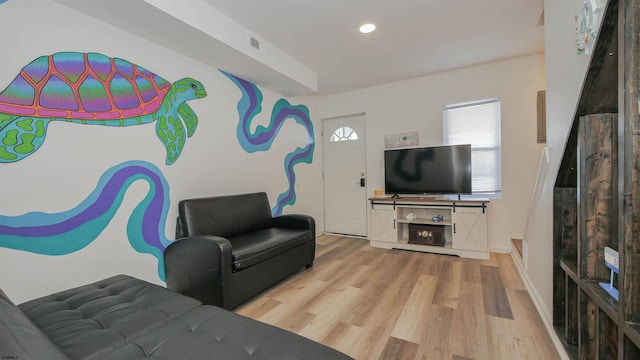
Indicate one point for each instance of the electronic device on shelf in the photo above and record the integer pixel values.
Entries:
(612, 261)
(428, 170)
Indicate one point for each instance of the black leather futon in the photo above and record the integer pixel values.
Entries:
(125, 318)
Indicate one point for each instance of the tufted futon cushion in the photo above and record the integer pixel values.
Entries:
(95, 319)
(126, 318)
(20, 338)
(209, 332)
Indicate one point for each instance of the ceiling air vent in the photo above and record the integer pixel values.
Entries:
(256, 44)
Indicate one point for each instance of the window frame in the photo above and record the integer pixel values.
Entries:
(352, 136)
(494, 146)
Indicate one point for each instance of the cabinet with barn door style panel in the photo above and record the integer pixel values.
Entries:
(596, 202)
(438, 225)
(382, 223)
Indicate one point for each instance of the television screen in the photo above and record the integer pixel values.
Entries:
(429, 170)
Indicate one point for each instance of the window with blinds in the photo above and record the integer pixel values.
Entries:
(477, 123)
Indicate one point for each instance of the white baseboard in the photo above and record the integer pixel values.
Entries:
(545, 314)
(345, 235)
(501, 250)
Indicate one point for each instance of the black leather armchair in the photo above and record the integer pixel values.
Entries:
(229, 248)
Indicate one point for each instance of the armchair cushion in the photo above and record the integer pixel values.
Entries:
(246, 251)
(224, 216)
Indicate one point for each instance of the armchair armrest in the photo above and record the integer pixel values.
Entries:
(296, 221)
(200, 267)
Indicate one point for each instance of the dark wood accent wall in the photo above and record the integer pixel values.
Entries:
(597, 199)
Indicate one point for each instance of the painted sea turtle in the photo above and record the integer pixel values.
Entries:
(93, 89)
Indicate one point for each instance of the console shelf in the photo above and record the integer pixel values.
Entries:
(424, 221)
(463, 223)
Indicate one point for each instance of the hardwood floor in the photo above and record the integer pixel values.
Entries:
(394, 304)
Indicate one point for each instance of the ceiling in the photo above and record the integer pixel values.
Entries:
(413, 37)
(313, 46)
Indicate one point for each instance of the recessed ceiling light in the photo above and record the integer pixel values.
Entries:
(367, 28)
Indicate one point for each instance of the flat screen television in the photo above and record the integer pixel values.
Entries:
(428, 170)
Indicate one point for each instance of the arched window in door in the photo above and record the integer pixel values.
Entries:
(344, 133)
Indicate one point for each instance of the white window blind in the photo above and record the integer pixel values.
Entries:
(477, 123)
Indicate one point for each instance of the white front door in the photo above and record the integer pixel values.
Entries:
(345, 196)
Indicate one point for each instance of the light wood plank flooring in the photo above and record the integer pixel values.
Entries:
(395, 304)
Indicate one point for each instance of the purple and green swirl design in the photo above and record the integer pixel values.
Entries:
(69, 231)
(249, 106)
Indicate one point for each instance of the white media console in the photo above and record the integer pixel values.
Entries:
(464, 223)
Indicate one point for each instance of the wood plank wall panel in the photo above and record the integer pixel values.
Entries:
(571, 313)
(565, 247)
(631, 162)
(598, 166)
(589, 331)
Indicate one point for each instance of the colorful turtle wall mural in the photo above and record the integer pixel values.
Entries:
(93, 89)
(70, 231)
(249, 106)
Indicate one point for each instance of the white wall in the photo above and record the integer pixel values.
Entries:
(565, 73)
(67, 167)
(416, 105)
